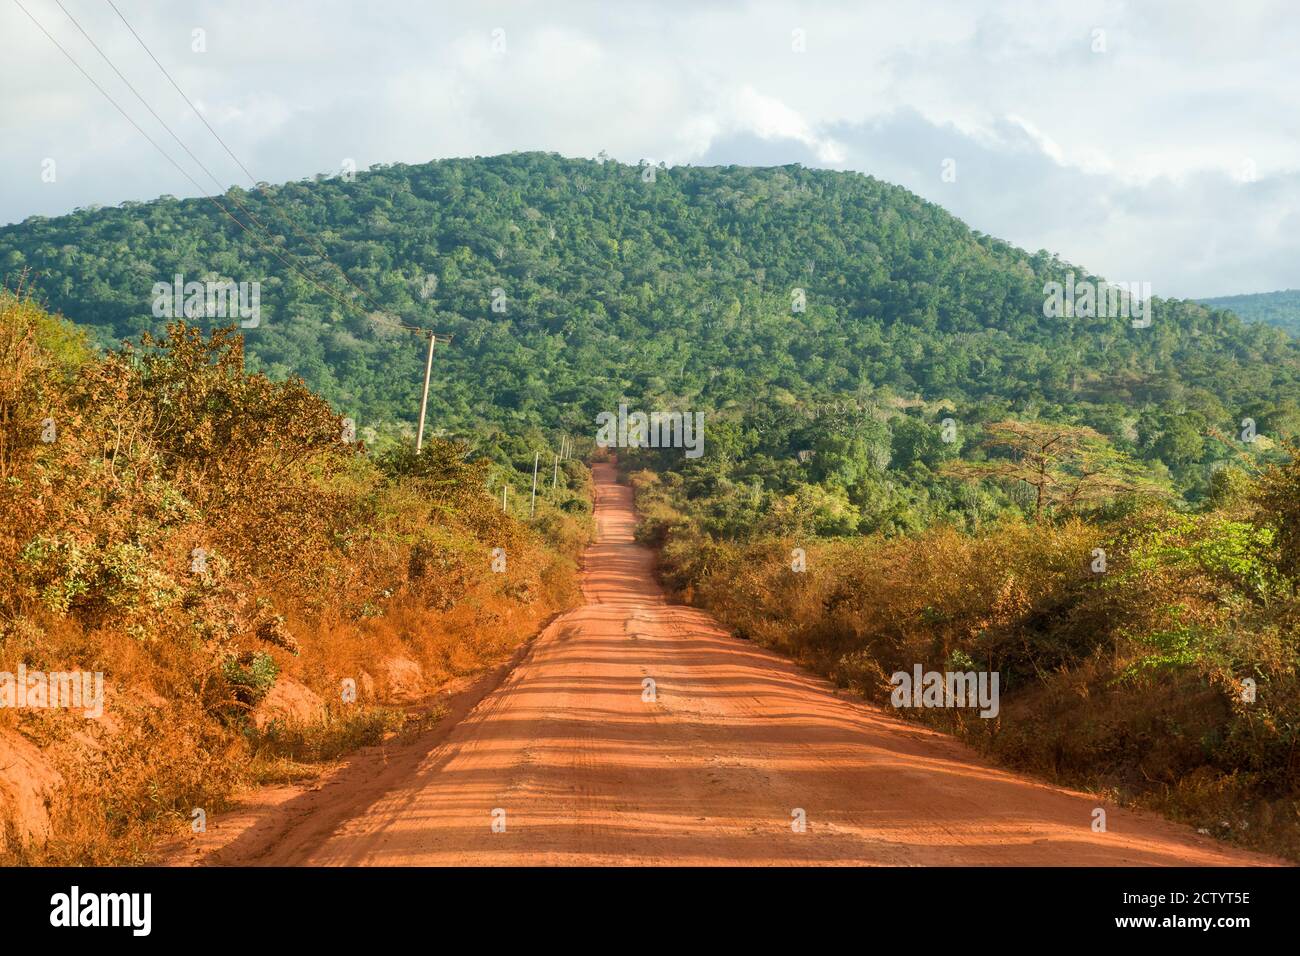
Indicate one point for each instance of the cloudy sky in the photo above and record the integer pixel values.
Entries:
(1149, 141)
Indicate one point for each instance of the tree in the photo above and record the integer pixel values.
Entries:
(1181, 441)
(1279, 503)
(1067, 466)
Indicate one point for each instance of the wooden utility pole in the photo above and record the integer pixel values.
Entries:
(533, 507)
(424, 399)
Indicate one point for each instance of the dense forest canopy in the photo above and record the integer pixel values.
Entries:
(1278, 309)
(763, 297)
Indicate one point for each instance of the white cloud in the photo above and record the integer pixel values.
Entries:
(769, 118)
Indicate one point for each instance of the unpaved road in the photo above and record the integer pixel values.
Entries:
(586, 771)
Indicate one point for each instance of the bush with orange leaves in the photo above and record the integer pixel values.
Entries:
(199, 533)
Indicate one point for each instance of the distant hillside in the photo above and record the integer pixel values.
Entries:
(676, 286)
(1278, 309)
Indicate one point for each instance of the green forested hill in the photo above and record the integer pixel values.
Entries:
(675, 292)
(1278, 309)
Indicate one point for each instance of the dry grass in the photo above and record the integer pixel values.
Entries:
(1126, 682)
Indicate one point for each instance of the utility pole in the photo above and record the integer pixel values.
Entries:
(504, 488)
(533, 507)
(555, 476)
(424, 399)
(434, 338)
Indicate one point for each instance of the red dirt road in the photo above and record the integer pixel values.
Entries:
(586, 771)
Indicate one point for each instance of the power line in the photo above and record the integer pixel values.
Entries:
(244, 209)
(434, 337)
(167, 156)
(253, 179)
